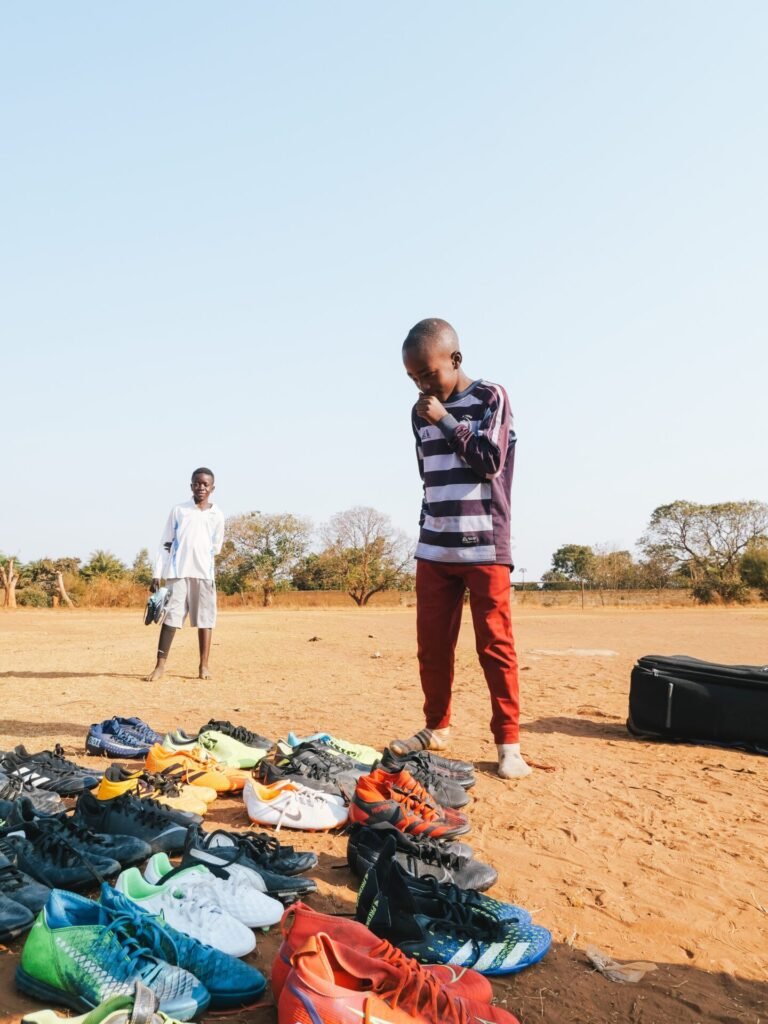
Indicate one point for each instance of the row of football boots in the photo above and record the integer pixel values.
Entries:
(98, 839)
(80, 952)
(443, 923)
(327, 969)
(333, 969)
(310, 783)
(223, 887)
(332, 765)
(76, 849)
(102, 836)
(233, 745)
(188, 779)
(306, 783)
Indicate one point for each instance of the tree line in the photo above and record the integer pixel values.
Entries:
(360, 552)
(718, 551)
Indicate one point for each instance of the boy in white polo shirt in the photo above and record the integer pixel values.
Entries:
(192, 538)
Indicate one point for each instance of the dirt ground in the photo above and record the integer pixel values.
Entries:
(646, 851)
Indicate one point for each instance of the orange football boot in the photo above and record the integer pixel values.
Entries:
(397, 798)
(195, 772)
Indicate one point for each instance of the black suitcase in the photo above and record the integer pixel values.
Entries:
(685, 699)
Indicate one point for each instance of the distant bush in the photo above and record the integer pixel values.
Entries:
(33, 596)
(103, 592)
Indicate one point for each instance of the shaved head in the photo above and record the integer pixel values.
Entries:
(433, 334)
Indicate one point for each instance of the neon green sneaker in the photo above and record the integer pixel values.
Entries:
(140, 1008)
(77, 955)
(212, 745)
(230, 750)
(357, 751)
(179, 743)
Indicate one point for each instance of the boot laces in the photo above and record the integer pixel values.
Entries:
(60, 851)
(149, 811)
(418, 990)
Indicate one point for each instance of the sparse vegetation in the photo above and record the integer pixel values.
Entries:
(717, 553)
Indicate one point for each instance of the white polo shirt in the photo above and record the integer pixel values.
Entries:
(196, 536)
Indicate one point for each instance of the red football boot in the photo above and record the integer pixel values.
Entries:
(334, 984)
(300, 923)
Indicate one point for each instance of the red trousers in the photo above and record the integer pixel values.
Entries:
(439, 598)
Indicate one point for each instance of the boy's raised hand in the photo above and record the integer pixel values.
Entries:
(430, 408)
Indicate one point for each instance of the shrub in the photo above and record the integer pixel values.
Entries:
(102, 592)
(33, 596)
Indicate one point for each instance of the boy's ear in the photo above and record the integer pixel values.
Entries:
(456, 357)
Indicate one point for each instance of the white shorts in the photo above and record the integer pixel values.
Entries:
(196, 598)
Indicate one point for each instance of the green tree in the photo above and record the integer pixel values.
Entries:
(754, 567)
(104, 563)
(612, 570)
(574, 562)
(261, 551)
(706, 543)
(658, 569)
(56, 577)
(315, 571)
(366, 554)
(552, 580)
(142, 568)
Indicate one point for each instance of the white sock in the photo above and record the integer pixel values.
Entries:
(511, 763)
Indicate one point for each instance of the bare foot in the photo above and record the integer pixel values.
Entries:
(204, 673)
(157, 673)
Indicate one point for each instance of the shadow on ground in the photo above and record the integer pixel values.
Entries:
(586, 728)
(70, 675)
(16, 728)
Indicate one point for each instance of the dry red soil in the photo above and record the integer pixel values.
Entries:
(649, 852)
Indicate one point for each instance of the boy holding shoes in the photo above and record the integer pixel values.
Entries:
(193, 536)
(465, 449)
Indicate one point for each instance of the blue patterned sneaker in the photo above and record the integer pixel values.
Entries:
(143, 731)
(79, 955)
(230, 981)
(435, 928)
(113, 738)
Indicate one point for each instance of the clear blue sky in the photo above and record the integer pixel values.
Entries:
(220, 220)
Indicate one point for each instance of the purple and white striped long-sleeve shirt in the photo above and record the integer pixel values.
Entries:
(466, 463)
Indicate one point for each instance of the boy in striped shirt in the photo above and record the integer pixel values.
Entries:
(465, 449)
